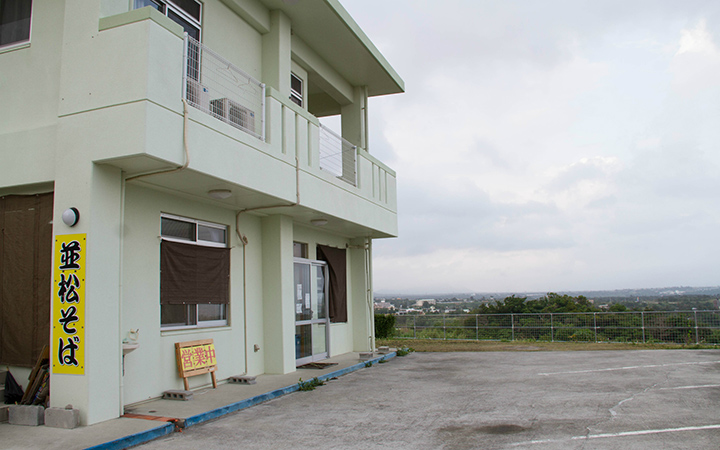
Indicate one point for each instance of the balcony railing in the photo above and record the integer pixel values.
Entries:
(215, 86)
(338, 156)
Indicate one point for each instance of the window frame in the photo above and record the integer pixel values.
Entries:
(24, 42)
(204, 243)
(169, 5)
(295, 95)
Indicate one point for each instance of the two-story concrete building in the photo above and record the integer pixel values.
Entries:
(164, 177)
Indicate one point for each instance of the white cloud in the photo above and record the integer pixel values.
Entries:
(549, 145)
(696, 40)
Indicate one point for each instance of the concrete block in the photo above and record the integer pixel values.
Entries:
(4, 413)
(62, 417)
(384, 350)
(178, 395)
(242, 379)
(364, 356)
(31, 415)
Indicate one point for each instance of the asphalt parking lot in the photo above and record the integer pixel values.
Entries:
(536, 400)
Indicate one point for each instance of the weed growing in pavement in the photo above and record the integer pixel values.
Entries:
(310, 385)
(404, 351)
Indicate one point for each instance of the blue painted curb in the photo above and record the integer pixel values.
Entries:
(215, 413)
(136, 439)
(154, 433)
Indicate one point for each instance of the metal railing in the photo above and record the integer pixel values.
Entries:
(683, 327)
(338, 156)
(214, 85)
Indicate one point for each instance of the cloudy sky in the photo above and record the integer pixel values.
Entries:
(549, 145)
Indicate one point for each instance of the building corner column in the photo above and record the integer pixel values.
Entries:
(278, 282)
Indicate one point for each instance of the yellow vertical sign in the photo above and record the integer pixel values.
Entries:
(68, 300)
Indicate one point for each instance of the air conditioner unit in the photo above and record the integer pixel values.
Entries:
(198, 95)
(233, 113)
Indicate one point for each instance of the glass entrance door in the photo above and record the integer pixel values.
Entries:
(311, 312)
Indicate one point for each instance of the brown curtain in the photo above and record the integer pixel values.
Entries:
(25, 277)
(193, 274)
(337, 268)
(14, 20)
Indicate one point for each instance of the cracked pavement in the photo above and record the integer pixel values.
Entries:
(527, 400)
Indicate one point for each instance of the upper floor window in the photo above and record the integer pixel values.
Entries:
(296, 89)
(15, 21)
(186, 13)
(300, 250)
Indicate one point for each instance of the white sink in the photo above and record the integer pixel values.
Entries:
(127, 348)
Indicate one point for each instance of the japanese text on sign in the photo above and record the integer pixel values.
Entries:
(68, 328)
(197, 357)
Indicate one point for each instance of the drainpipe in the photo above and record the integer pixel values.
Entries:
(368, 278)
(367, 246)
(185, 147)
(123, 186)
(366, 133)
(244, 241)
(121, 392)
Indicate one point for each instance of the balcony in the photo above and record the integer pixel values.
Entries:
(241, 135)
(215, 86)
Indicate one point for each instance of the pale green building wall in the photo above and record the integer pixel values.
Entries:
(96, 97)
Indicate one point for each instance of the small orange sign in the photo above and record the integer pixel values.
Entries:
(196, 358)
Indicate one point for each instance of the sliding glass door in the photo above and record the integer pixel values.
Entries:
(312, 326)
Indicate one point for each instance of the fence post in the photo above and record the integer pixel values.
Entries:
(552, 329)
(697, 338)
(642, 321)
(512, 325)
(444, 329)
(477, 328)
(414, 327)
(595, 325)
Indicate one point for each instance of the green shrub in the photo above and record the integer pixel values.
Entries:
(384, 326)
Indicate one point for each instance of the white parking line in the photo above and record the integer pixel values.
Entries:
(690, 387)
(610, 369)
(621, 434)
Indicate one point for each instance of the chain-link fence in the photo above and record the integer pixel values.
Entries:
(683, 327)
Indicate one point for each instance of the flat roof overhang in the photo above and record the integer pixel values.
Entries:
(327, 28)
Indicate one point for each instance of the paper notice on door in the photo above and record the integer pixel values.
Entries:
(299, 292)
(307, 301)
(298, 308)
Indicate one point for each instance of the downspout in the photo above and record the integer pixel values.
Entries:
(368, 289)
(366, 133)
(244, 241)
(121, 394)
(122, 242)
(297, 193)
(185, 147)
(368, 278)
